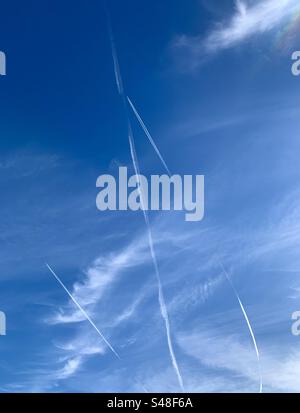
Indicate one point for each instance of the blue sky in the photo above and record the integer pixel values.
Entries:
(212, 81)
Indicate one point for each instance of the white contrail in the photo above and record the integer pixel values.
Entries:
(147, 133)
(248, 324)
(162, 304)
(114, 53)
(83, 312)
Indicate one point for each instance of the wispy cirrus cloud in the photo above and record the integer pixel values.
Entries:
(70, 368)
(280, 369)
(248, 20)
(75, 352)
(98, 277)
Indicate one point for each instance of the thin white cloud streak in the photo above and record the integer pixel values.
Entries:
(129, 312)
(194, 295)
(83, 312)
(27, 164)
(162, 304)
(247, 21)
(147, 133)
(77, 350)
(100, 276)
(208, 347)
(249, 327)
(104, 272)
(61, 318)
(117, 70)
(83, 345)
(69, 369)
(281, 365)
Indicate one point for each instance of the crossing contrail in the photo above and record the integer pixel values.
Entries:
(83, 312)
(162, 304)
(248, 324)
(147, 133)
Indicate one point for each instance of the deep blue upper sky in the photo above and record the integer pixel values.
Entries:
(212, 81)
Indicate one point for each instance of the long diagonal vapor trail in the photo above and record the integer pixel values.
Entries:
(83, 312)
(162, 304)
(147, 133)
(248, 324)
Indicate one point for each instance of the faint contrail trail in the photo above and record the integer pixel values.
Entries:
(147, 133)
(83, 312)
(162, 304)
(114, 52)
(248, 324)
